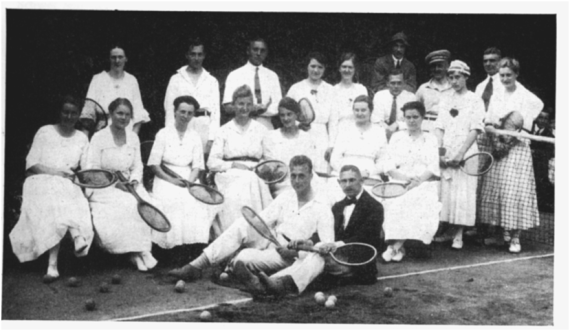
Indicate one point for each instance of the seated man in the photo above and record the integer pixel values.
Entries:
(357, 218)
(296, 214)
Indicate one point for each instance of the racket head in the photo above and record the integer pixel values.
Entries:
(153, 217)
(355, 254)
(205, 194)
(272, 171)
(371, 181)
(101, 117)
(324, 175)
(477, 164)
(146, 149)
(258, 224)
(95, 178)
(389, 190)
(307, 114)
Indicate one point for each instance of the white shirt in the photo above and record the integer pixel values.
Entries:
(168, 148)
(206, 92)
(347, 212)
(396, 61)
(431, 93)
(341, 109)
(521, 100)
(383, 107)
(497, 85)
(269, 83)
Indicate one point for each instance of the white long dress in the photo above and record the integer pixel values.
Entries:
(341, 109)
(118, 226)
(459, 191)
(414, 215)
(321, 102)
(190, 219)
(239, 187)
(52, 204)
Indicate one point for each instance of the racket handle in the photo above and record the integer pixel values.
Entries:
(308, 248)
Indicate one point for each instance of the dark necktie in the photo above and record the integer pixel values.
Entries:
(487, 93)
(257, 86)
(398, 64)
(393, 112)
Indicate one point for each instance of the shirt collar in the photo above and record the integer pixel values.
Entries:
(358, 195)
(395, 60)
(252, 67)
(432, 85)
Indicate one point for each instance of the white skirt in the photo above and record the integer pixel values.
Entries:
(320, 136)
(51, 206)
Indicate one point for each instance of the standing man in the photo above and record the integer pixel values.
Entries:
(297, 214)
(394, 60)
(262, 81)
(492, 84)
(437, 88)
(388, 103)
(195, 81)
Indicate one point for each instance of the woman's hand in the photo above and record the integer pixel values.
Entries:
(305, 127)
(326, 248)
(328, 154)
(238, 165)
(454, 162)
(490, 129)
(414, 182)
(178, 182)
(443, 162)
(121, 186)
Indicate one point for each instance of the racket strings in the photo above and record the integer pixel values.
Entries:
(154, 217)
(258, 224)
(356, 254)
(95, 178)
(206, 194)
(388, 190)
(272, 171)
(477, 164)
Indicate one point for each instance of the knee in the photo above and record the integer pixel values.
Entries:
(246, 257)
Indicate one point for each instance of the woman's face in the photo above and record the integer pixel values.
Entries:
(118, 58)
(243, 107)
(361, 112)
(315, 70)
(69, 115)
(347, 70)
(458, 81)
(121, 117)
(287, 117)
(508, 77)
(413, 120)
(184, 114)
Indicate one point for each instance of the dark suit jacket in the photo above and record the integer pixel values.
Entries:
(364, 226)
(543, 150)
(382, 69)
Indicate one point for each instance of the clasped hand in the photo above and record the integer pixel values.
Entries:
(122, 185)
(287, 254)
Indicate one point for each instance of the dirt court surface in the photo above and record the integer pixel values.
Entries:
(505, 289)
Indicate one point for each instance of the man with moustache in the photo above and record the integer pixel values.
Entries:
(492, 84)
(394, 60)
(262, 81)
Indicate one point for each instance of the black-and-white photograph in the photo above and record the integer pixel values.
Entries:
(297, 163)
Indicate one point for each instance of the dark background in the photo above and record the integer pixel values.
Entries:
(54, 52)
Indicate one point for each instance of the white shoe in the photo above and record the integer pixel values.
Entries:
(138, 262)
(149, 260)
(457, 244)
(399, 255)
(515, 246)
(52, 272)
(389, 254)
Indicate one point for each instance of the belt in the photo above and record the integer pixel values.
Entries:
(243, 158)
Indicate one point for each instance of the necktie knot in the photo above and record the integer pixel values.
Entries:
(347, 202)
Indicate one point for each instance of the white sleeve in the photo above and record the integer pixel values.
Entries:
(325, 226)
(35, 153)
(158, 147)
(139, 113)
(230, 87)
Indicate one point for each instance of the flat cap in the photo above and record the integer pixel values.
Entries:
(400, 36)
(438, 56)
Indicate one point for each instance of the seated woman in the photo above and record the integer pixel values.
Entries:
(180, 151)
(284, 143)
(118, 225)
(52, 204)
(236, 151)
(412, 158)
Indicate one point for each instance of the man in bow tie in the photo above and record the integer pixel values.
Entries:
(357, 218)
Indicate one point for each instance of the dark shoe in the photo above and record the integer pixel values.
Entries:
(187, 272)
(251, 281)
(280, 286)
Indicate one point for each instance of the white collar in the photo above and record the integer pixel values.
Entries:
(396, 60)
(252, 67)
(358, 195)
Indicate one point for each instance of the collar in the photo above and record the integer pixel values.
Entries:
(252, 67)
(395, 60)
(182, 71)
(434, 86)
(358, 195)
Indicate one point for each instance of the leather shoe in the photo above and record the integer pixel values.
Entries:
(279, 286)
(251, 281)
(187, 272)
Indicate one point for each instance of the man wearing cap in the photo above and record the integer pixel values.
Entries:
(395, 60)
(437, 88)
(492, 84)
(262, 81)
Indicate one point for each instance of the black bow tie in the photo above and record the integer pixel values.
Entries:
(348, 202)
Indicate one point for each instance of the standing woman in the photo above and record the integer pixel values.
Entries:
(107, 86)
(118, 225)
(236, 151)
(320, 94)
(345, 92)
(508, 192)
(52, 204)
(181, 151)
(458, 124)
(413, 159)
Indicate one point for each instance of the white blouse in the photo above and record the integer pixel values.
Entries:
(50, 149)
(321, 100)
(341, 108)
(277, 147)
(521, 100)
(412, 156)
(172, 150)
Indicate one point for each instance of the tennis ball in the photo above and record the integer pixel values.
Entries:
(330, 304)
(72, 282)
(179, 286)
(104, 288)
(388, 292)
(320, 298)
(116, 279)
(332, 298)
(224, 276)
(90, 304)
(205, 316)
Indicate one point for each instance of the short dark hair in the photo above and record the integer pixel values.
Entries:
(492, 50)
(395, 72)
(119, 46)
(290, 104)
(417, 105)
(364, 98)
(317, 56)
(350, 56)
(194, 42)
(255, 39)
(120, 102)
(72, 100)
(301, 160)
(242, 92)
(350, 167)
(186, 99)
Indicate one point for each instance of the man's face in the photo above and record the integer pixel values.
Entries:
(396, 84)
(195, 57)
(542, 120)
(439, 69)
(351, 183)
(491, 63)
(257, 52)
(301, 178)
(398, 49)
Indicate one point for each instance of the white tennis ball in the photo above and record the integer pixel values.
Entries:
(224, 276)
(205, 316)
(388, 292)
(332, 298)
(320, 298)
(330, 304)
(179, 286)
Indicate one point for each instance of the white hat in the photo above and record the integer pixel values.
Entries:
(460, 66)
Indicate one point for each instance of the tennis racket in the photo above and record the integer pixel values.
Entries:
(477, 164)
(368, 181)
(390, 190)
(149, 213)
(94, 116)
(94, 178)
(272, 171)
(203, 193)
(525, 135)
(307, 115)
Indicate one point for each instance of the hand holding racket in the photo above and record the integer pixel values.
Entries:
(272, 171)
(203, 193)
(474, 165)
(93, 117)
(93, 178)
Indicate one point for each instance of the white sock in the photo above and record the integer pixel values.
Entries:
(201, 262)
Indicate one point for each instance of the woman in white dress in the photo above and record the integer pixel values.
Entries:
(320, 94)
(181, 151)
(508, 191)
(52, 204)
(284, 143)
(413, 159)
(107, 86)
(118, 226)
(459, 122)
(236, 151)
